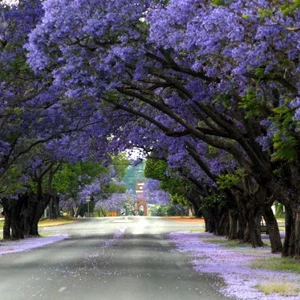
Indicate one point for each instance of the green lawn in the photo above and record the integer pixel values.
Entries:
(282, 288)
(227, 243)
(48, 222)
(277, 264)
(56, 222)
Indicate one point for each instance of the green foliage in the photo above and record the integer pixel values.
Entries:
(171, 210)
(252, 103)
(264, 13)
(279, 210)
(179, 199)
(70, 178)
(65, 179)
(159, 210)
(10, 184)
(224, 100)
(227, 181)
(289, 9)
(284, 141)
(162, 2)
(176, 186)
(16, 66)
(212, 151)
(260, 72)
(156, 169)
(285, 147)
(213, 201)
(115, 188)
(217, 2)
(120, 163)
(283, 116)
(220, 2)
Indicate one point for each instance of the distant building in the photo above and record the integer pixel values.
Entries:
(134, 174)
(134, 180)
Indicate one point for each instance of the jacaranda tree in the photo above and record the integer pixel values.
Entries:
(220, 77)
(40, 126)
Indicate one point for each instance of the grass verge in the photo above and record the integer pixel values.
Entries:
(277, 264)
(48, 222)
(282, 288)
(198, 230)
(227, 243)
(56, 222)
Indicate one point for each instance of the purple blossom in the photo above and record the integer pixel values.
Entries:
(117, 201)
(153, 193)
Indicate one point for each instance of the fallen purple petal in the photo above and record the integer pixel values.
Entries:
(233, 265)
(29, 243)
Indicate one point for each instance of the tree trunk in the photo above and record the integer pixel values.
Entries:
(71, 212)
(233, 226)
(297, 233)
(39, 208)
(196, 206)
(223, 224)
(7, 220)
(29, 213)
(13, 228)
(54, 208)
(241, 227)
(289, 240)
(16, 220)
(6, 228)
(273, 230)
(252, 230)
(16, 229)
(249, 220)
(291, 246)
(209, 222)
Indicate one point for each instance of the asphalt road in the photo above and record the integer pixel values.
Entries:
(107, 258)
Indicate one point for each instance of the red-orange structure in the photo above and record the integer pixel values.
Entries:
(141, 204)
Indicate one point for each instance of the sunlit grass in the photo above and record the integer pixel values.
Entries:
(201, 229)
(277, 264)
(56, 222)
(1, 224)
(227, 243)
(48, 222)
(282, 288)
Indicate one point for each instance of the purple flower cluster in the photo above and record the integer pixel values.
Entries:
(117, 201)
(153, 194)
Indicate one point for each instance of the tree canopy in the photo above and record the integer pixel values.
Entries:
(209, 87)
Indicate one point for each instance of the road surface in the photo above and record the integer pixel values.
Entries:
(107, 258)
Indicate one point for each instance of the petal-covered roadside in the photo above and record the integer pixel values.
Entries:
(234, 266)
(29, 243)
